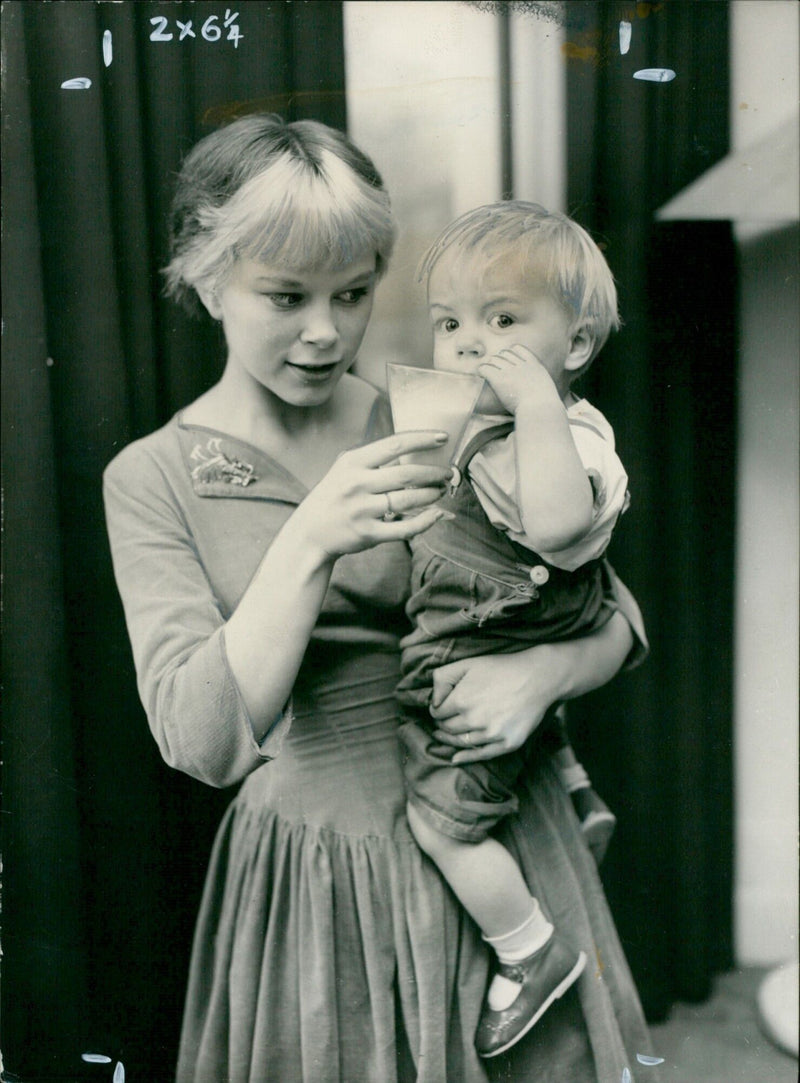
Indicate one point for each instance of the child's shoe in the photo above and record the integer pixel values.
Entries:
(543, 977)
(596, 819)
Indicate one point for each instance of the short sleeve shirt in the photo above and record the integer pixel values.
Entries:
(493, 473)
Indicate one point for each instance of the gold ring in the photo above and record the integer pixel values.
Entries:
(390, 514)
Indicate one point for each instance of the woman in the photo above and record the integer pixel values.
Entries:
(260, 555)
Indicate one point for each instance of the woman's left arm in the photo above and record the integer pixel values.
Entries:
(490, 705)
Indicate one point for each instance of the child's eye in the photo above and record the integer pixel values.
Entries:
(285, 300)
(448, 325)
(501, 321)
(352, 297)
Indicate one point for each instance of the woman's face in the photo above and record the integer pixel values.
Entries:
(294, 333)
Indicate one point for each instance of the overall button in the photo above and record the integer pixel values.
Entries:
(539, 575)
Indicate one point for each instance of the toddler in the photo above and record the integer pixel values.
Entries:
(525, 299)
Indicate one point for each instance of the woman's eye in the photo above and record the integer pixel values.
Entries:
(501, 321)
(285, 300)
(352, 297)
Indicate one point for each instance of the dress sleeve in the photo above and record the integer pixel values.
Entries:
(177, 631)
(618, 597)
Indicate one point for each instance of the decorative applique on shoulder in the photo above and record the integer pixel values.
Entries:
(212, 464)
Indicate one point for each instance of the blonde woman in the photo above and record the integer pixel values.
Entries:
(259, 543)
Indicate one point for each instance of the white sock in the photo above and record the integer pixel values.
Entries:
(573, 778)
(513, 946)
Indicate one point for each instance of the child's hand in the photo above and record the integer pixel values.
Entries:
(518, 377)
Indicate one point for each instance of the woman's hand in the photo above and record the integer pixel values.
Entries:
(367, 497)
(267, 635)
(492, 704)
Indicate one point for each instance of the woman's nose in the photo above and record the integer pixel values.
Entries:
(320, 327)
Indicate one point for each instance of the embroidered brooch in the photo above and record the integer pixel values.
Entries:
(214, 465)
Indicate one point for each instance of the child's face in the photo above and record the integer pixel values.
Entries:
(477, 312)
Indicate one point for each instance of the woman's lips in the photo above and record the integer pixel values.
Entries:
(314, 373)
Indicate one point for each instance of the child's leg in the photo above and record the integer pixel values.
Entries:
(535, 966)
(488, 883)
(596, 818)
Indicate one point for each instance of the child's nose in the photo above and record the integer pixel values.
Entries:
(470, 346)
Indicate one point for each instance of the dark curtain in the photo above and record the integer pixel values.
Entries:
(104, 849)
(658, 741)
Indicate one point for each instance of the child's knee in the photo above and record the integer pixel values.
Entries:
(429, 840)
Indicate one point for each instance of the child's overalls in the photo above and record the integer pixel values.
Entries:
(476, 592)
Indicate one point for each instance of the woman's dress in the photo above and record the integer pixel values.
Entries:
(328, 949)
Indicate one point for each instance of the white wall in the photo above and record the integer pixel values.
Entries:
(539, 110)
(423, 99)
(765, 64)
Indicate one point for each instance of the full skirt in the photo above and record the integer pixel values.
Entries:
(329, 950)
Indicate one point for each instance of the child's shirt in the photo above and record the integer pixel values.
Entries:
(493, 473)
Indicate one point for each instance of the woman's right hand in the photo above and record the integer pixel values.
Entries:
(367, 497)
(268, 634)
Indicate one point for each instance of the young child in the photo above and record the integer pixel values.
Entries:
(525, 299)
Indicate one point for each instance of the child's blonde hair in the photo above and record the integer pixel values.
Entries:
(560, 250)
(298, 193)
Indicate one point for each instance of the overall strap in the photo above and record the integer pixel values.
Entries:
(479, 440)
(580, 423)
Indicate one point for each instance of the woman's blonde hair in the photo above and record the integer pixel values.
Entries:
(556, 248)
(301, 194)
